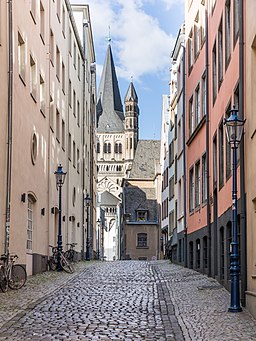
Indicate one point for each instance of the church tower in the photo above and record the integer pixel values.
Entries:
(117, 133)
(131, 122)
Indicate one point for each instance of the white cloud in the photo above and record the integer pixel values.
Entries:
(170, 3)
(140, 46)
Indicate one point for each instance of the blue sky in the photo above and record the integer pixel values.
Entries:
(143, 33)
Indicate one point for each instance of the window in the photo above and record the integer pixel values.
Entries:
(191, 116)
(196, 36)
(69, 146)
(63, 78)
(33, 79)
(74, 154)
(190, 51)
(78, 113)
(130, 142)
(74, 57)
(70, 41)
(42, 94)
(228, 148)
(204, 179)
(74, 103)
(171, 188)
(30, 223)
(214, 147)
(63, 135)
(69, 93)
(33, 10)
(142, 240)
(141, 215)
(42, 22)
(58, 9)
(214, 73)
(98, 148)
(171, 153)
(63, 21)
(34, 148)
(79, 67)
(227, 33)
(58, 63)
(107, 148)
(236, 20)
(77, 160)
(51, 113)
(197, 105)
(57, 125)
(171, 221)
(191, 189)
(221, 156)
(21, 57)
(51, 47)
(203, 95)
(220, 54)
(118, 148)
(197, 184)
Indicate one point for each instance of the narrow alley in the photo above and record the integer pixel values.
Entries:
(123, 300)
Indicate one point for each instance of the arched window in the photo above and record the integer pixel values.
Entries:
(98, 147)
(118, 148)
(30, 222)
(107, 148)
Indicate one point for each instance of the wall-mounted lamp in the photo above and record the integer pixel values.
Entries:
(23, 197)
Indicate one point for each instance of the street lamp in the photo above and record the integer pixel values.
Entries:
(60, 178)
(234, 129)
(87, 252)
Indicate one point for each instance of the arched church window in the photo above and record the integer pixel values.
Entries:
(107, 148)
(98, 147)
(118, 148)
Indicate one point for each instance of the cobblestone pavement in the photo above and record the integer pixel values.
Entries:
(123, 300)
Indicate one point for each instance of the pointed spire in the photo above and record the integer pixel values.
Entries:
(131, 94)
(109, 107)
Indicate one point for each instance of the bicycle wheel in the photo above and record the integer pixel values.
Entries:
(18, 277)
(3, 281)
(53, 264)
(66, 265)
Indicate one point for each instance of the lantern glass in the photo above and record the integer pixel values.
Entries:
(234, 128)
(60, 176)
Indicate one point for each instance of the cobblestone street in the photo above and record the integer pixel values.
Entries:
(123, 300)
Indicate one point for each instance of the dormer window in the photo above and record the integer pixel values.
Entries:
(142, 215)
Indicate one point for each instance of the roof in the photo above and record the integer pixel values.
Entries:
(109, 199)
(131, 94)
(146, 157)
(109, 108)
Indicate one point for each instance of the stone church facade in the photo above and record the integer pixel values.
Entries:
(117, 139)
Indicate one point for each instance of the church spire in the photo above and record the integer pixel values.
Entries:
(131, 94)
(109, 107)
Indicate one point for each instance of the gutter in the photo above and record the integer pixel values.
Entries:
(207, 145)
(243, 228)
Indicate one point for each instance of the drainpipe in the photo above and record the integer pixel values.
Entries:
(243, 231)
(184, 156)
(208, 207)
(9, 132)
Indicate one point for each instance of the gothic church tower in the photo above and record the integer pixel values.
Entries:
(117, 132)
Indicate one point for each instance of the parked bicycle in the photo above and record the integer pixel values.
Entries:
(70, 253)
(64, 263)
(12, 275)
